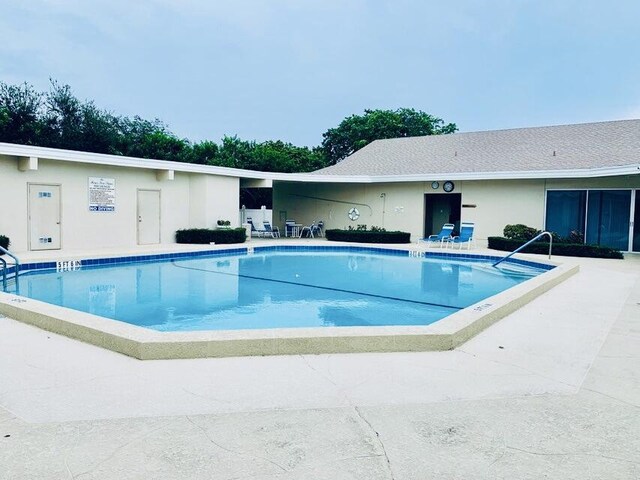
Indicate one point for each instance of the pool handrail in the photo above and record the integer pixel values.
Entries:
(16, 260)
(526, 244)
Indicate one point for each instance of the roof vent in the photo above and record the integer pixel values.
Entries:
(554, 153)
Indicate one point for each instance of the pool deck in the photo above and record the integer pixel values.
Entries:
(550, 391)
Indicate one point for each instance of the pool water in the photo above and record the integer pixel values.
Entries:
(277, 290)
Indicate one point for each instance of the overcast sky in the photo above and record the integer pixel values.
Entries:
(291, 69)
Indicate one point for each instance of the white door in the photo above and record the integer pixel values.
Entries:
(44, 217)
(148, 217)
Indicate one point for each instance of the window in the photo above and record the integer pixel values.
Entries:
(608, 218)
(602, 217)
(566, 211)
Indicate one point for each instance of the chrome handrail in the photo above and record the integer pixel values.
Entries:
(16, 260)
(4, 274)
(526, 244)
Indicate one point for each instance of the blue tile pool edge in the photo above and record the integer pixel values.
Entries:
(108, 261)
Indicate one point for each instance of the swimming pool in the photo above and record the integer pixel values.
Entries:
(279, 287)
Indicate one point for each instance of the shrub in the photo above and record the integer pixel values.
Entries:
(4, 242)
(224, 223)
(367, 236)
(205, 235)
(519, 232)
(562, 249)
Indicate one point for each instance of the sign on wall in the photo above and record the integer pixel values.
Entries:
(102, 194)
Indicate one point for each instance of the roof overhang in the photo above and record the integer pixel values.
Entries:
(507, 175)
(27, 151)
(22, 151)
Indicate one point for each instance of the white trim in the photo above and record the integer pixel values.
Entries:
(132, 162)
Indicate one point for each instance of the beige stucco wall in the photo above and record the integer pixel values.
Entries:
(183, 203)
(497, 202)
(213, 198)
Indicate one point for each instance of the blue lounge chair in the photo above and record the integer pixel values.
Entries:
(254, 231)
(466, 235)
(273, 232)
(442, 237)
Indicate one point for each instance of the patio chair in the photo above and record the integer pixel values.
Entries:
(466, 235)
(273, 232)
(319, 229)
(254, 231)
(309, 229)
(442, 237)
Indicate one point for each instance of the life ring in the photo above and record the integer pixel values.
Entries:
(354, 214)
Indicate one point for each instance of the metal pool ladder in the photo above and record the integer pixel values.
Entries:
(4, 251)
(528, 243)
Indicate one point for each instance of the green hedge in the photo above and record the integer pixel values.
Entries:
(562, 249)
(4, 242)
(206, 236)
(367, 236)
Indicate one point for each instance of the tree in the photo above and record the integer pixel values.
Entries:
(20, 114)
(357, 131)
(59, 119)
(150, 139)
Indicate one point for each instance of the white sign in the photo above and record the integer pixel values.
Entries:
(102, 194)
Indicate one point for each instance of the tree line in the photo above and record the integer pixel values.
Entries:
(58, 119)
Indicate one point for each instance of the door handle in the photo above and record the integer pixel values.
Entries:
(139, 218)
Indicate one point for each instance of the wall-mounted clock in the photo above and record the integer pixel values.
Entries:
(448, 186)
(435, 185)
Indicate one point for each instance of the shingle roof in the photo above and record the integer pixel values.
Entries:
(564, 147)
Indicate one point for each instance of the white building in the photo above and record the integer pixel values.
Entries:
(583, 178)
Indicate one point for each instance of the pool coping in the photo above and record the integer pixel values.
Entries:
(146, 344)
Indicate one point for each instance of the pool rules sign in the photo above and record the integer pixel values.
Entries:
(102, 194)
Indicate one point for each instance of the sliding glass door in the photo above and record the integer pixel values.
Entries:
(636, 224)
(566, 211)
(608, 218)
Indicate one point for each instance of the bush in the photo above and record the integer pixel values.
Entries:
(562, 249)
(206, 236)
(519, 232)
(367, 236)
(4, 242)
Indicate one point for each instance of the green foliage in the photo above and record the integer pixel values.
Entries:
(206, 236)
(59, 119)
(4, 242)
(519, 232)
(367, 236)
(522, 233)
(21, 120)
(357, 131)
(562, 249)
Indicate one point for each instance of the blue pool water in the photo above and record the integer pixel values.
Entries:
(277, 289)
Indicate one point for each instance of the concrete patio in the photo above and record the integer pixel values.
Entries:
(551, 391)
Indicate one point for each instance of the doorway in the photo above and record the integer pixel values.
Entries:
(148, 217)
(44, 217)
(441, 208)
